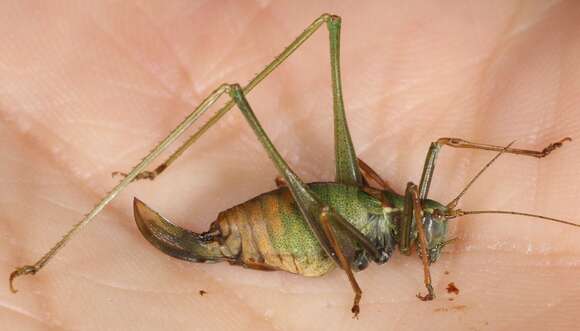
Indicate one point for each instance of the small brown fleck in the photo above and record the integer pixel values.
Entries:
(450, 299)
(445, 309)
(160, 168)
(202, 292)
(446, 272)
(451, 288)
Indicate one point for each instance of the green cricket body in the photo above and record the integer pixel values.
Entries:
(268, 232)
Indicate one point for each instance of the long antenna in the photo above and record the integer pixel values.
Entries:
(454, 202)
(460, 212)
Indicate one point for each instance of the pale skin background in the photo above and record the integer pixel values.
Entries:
(88, 88)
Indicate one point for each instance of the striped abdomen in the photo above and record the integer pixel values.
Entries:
(269, 233)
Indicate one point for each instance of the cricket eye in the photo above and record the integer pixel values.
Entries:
(438, 215)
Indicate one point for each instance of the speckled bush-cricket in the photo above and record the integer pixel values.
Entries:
(307, 229)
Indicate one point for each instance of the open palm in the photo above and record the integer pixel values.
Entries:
(88, 88)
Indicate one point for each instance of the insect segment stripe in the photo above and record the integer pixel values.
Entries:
(268, 233)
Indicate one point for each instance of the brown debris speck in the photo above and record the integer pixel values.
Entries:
(445, 309)
(451, 288)
(202, 292)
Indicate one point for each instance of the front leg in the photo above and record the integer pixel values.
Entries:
(429, 167)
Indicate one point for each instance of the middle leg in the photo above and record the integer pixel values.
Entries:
(412, 222)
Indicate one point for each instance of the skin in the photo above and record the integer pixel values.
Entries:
(87, 90)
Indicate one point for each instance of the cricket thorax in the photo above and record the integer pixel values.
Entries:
(434, 222)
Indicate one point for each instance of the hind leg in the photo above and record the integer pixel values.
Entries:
(321, 218)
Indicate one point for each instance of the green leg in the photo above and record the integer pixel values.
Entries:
(315, 212)
(347, 170)
(429, 167)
